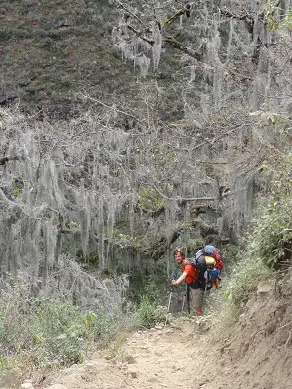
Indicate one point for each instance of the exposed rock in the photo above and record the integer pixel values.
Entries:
(27, 385)
(133, 372)
(152, 379)
(265, 287)
(130, 359)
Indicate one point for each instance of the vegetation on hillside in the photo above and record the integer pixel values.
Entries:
(48, 333)
(144, 127)
(269, 243)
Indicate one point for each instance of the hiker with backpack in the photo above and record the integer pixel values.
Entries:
(201, 273)
(190, 276)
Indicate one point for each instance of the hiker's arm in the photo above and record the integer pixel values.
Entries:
(180, 279)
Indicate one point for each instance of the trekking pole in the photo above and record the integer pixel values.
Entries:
(167, 312)
(186, 297)
(174, 277)
(183, 303)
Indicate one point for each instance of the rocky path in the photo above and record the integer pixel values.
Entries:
(255, 353)
(162, 357)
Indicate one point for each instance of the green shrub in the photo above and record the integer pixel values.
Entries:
(50, 333)
(54, 34)
(149, 313)
(227, 302)
(4, 365)
(4, 34)
(150, 288)
(269, 243)
(15, 192)
(272, 236)
(150, 200)
(271, 239)
(244, 279)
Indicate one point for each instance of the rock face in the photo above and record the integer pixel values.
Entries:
(265, 287)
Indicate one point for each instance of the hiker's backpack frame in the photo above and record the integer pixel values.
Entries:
(208, 267)
(212, 252)
(202, 269)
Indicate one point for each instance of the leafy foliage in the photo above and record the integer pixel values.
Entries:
(273, 16)
(49, 333)
(125, 240)
(149, 313)
(150, 200)
(236, 288)
(269, 243)
(244, 278)
(272, 235)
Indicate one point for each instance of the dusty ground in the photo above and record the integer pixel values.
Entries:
(257, 353)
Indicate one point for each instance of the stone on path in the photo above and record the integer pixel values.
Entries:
(132, 371)
(27, 385)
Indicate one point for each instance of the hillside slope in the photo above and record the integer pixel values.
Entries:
(257, 353)
(51, 53)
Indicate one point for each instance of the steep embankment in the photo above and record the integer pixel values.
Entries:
(257, 352)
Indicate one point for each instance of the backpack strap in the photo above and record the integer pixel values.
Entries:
(195, 284)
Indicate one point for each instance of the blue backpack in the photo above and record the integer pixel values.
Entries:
(204, 263)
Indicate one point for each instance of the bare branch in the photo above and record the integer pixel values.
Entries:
(169, 40)
(182, 198)
(248, 19)
(140, 35)
(173, 42)
(179, 13)
(229, 14)
(129, 11)
(111, 107)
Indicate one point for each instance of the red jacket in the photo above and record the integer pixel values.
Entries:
(191, 272)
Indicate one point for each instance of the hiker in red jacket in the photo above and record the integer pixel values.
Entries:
(190, 276)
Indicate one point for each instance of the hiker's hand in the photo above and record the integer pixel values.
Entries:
(173, 282)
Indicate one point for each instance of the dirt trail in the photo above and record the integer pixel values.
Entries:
(257, 353)
(147, 360)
